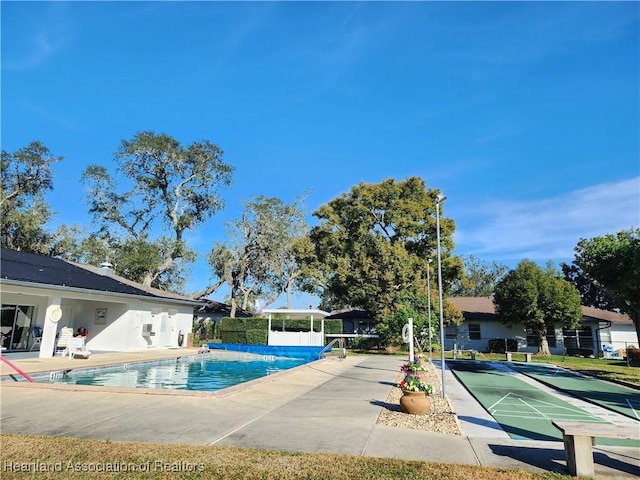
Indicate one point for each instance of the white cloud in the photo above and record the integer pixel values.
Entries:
(47, 34)
(549, 228)
(52, 118)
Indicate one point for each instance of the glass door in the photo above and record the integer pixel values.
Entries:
(15, 326)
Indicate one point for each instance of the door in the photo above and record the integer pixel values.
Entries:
(15, 326)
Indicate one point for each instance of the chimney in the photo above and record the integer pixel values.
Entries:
(106, 269)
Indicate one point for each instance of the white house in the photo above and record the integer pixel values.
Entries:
(600, 330)
(42, 294)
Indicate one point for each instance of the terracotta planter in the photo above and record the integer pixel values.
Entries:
(415, 403)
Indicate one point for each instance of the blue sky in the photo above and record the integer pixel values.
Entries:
(525, 114)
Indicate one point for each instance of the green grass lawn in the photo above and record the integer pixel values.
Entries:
(70, 458)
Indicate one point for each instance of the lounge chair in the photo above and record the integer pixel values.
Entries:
(37, 337)
(63, 337)
(76, 348)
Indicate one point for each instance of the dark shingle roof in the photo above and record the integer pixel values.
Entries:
(482, 308)
(26, 267)
(211, 306)
(349, 314)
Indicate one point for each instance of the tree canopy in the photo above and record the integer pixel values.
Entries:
(607, 272)
(479, 278)
(538, 299)
(260, 261)
(158, 184)
(26, 176)
(373, 244)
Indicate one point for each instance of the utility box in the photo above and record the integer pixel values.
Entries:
(147, 329)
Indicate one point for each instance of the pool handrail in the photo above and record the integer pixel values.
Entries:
(16, 368)
(343, 351)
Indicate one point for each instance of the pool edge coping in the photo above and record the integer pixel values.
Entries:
(156, 391)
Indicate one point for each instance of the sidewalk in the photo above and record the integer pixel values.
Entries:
(327, 406)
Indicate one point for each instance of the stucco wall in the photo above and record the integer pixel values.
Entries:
(114, 323)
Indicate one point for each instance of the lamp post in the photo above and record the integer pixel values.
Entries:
(429, 307)
(439, 199)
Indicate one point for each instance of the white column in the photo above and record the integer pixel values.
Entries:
(53, 314)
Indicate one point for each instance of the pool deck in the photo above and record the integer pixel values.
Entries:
(325, 406)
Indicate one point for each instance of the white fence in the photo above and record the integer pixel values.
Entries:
(304, 339)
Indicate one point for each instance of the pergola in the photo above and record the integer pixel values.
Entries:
(309, 338)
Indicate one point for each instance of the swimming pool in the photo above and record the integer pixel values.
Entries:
(207, 372)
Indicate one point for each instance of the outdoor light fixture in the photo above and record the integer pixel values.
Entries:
(439, 199)
(429, 306)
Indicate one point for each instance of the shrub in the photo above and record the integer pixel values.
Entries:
(633, 353)
(362, 343)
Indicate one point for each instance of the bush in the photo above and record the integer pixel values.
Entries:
(633, 353)
(362, 343)
(257, 337)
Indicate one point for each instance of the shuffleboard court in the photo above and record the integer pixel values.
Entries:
(522, 410)
(619, 398)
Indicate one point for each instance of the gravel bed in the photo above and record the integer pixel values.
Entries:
(440, 419)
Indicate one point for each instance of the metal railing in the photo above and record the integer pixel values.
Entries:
(342, 353)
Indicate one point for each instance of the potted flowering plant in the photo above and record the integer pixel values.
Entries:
(415, 394)
(412, 367)
(411, 383)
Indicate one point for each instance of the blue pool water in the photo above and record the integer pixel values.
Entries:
(209, 372)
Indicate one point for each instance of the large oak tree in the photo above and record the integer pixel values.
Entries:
(260, 259)
(160, 190)
(373, 244)
(538, 299)
(606, 270)
(26, 175)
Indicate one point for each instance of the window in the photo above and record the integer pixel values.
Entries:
(474, 331)
(532, 338)
(451, 333)
(578, 339)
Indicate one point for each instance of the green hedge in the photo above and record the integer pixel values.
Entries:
(254, 330)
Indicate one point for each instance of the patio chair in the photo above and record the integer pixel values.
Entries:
(37, 337)
(76, 348)
(63, 338)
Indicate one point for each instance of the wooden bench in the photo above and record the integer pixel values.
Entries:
(527, 356)
(580, 437)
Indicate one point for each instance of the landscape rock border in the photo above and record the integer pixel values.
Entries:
(441, 418)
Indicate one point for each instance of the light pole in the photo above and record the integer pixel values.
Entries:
(429, 307)
(439, 199)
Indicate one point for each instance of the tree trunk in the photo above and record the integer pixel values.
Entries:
(543, 348)
(232, 314)
(288, 290)
(635, 317)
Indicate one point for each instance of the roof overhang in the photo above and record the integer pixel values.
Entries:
(101, 293)
(295, 311)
